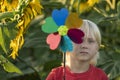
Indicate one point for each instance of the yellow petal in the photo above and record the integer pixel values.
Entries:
(13, 54)
(6, 5)
(92, 2)
(84, 7)
(21, 42)
(14, 47)
(73, 21)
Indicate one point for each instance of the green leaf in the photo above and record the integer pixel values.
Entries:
(6, 31)
(2, 42)
(7, 15)
(10, 29)
(117, 78)
(51, 64)
(110, 64)
(118, 9)
(8, 66)
(7, 37)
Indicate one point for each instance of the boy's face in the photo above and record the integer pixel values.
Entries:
(86, 50)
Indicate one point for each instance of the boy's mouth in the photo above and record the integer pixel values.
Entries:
(83, 52)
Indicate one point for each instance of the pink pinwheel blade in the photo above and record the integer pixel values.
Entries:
(53, 40)
(76, 35)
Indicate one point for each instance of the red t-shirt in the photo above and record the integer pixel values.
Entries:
(93, 73)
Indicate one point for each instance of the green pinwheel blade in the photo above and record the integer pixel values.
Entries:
(50, 26)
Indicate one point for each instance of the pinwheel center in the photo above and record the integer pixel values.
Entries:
(62, 30)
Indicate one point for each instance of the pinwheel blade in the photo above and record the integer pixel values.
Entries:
(50, 26)
(76, 35)
(53, 41)
(66, 44)
(60, 16)
(73, 21)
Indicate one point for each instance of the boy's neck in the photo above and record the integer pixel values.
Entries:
(78, 67)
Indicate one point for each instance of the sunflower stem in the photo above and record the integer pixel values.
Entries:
(78, 9)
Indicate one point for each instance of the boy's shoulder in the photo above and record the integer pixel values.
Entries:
(99, 71)
(58, 69)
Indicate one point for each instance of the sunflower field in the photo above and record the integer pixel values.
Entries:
(24, 54)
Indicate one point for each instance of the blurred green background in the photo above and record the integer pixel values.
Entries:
(35, 58)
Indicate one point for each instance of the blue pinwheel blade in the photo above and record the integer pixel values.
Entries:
(66, 44)
(59, 16)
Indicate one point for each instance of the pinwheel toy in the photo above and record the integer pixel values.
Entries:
(63, 29)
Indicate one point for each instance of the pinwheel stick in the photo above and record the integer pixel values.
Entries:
(64, 63)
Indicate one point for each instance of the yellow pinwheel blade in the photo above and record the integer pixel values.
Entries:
(73, 21)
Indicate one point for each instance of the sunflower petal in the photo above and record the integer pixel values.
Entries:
(73, 21)
(50, 26)
(66, 44)
(75, 35)
(53, 40)
(60, 16)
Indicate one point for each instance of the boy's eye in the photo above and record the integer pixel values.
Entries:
(91, 41)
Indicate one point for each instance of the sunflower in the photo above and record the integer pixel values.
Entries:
(92, 2)
(8, 5)
(28, 10)
(84, 5)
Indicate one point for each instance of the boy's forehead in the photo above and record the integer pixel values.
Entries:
(88, 32)
(89, 35)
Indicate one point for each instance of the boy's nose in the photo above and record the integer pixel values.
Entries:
(84, 45)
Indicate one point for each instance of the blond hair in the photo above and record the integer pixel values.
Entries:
(89, 26)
